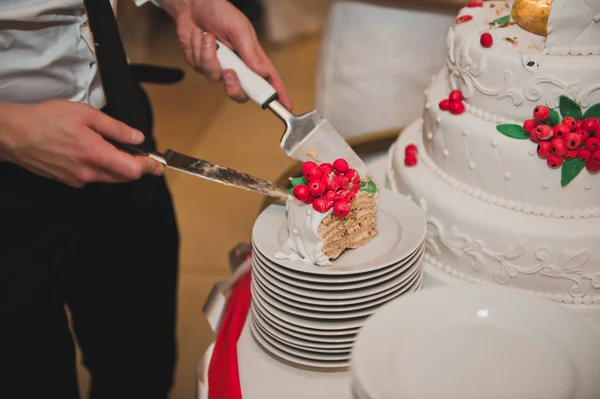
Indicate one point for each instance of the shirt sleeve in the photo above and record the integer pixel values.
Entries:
(142, 2)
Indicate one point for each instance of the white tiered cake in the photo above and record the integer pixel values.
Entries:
(499, 208)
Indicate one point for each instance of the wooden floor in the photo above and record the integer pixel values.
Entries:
(195, 117)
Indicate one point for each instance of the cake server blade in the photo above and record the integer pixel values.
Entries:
(210, 171)
(306, 137)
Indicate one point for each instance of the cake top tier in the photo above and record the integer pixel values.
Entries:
(574, 30)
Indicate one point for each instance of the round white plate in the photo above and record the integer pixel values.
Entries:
(338, 295)
(293, 358)
(332, 278)
(401, 225)
(294, 340)
(328, 315)
(300, 304)
(477, 342)
(322, 338)
(392, 273)
(296, 296)
(299, 345)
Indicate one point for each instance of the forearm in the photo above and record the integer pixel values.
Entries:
(174, 7)
(6, 130)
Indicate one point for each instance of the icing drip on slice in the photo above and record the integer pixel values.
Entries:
(304, 242)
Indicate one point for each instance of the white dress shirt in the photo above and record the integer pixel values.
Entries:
(47, 52)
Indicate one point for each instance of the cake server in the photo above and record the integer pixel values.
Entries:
(307, 137)
(210, 171)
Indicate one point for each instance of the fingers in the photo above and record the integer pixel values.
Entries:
(275, 80)
(233, 87)
(196, 46)
(112, 128)
(211, 67)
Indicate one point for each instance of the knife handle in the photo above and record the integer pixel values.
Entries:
(255, 86)
(133, 150)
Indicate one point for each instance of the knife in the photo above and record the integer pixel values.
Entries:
(306, 137)
(210, 171)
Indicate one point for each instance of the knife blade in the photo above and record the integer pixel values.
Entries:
(210, 171)
(306, 137)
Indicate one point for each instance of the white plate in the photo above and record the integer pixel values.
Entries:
(328, 315)
(477, 342)
(297, 344)
(401, 226)
(367, 281)
(295, 296)
(332, 278)
(337, 295)
(325, 339)
(293, 358)
(295, 340)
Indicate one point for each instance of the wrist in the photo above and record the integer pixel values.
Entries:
(7, 131)
(175, 8)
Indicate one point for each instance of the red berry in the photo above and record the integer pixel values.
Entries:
(561, 130)
(583, 135)
(543, 132)
(310, 200)
(541, 113)
(596, 157)
(554, 161)
(410, 160)
(533, 136)
(329, 195)
(455, 95)
(301, 192)
(457, 107)
(330, 183)
(445, 105)
(572, 141)
(326, 168)
(411, 149)
(579, 124)
(583, 154)
(543, 149)
(592, 167)
(355, 187)
(321, 205)
(341, 208)
(352, 174)
(591, 124)
(529, 125)
(312, 173)
(342, 181)
(570, 122)
(597, 134)
(340, 165)
(557, 147)
(474, 4)
(307, 167)
(571, 154)
(593, 144)
(316, 188)
(351, 196)
(486, 40)
(463, 18)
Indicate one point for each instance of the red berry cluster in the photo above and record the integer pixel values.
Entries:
(329, 186)
(410, 155)
(454, 103)
(568, 140)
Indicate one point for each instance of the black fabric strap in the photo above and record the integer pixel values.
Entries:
(122, 95)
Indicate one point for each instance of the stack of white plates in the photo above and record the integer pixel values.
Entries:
(309, 315)
(475, 342)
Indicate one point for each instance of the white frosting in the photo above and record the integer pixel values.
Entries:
(478, 236)
(304, 242)
(506, 82)
(574, 30)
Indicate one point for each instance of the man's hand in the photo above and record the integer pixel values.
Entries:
(225, 22)
(63, 140)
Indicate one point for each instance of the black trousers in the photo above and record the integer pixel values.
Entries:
(108, 253)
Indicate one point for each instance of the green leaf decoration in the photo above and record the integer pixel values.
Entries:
(592, 112)
(569, 107)
(570, 170)
(513, 131)
(298, 180)
(368, 186)
(554, 118)
(501, 20)
(291, 191)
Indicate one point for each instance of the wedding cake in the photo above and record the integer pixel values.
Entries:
(505, 159)
(330, 209)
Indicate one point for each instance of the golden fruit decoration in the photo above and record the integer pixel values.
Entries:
(532, 15)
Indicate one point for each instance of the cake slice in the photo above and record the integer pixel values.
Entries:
(330, 209)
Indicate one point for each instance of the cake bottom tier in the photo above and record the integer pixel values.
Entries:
(480, 242)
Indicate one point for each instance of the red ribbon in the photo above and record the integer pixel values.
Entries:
(223, 372)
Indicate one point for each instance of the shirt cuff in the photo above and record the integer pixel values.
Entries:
(142, 2)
